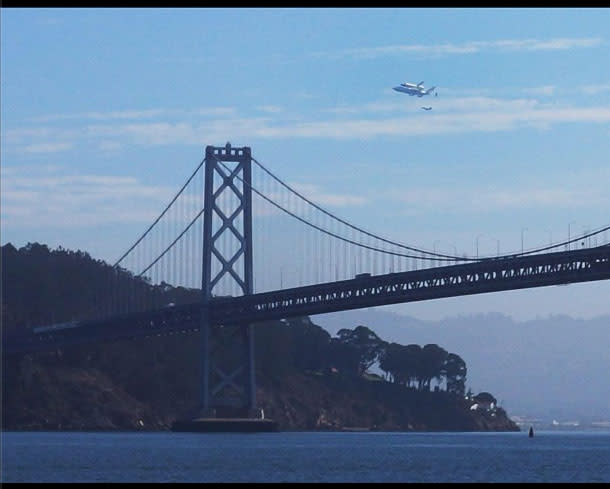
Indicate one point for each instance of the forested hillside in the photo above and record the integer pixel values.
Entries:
(306, 379)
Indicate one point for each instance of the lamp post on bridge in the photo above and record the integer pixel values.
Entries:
(434, 244)
(477, 240)
(569, 238)
(522, 230)
(585, 231)
(446, 242)
(434, 262)
(490, 237)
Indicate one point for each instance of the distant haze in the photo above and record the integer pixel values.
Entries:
(552, 368)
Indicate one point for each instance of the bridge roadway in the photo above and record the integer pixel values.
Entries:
(486, 275)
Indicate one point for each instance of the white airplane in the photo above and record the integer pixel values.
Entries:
(413, 89)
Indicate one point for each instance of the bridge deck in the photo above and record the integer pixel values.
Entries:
(490, 275)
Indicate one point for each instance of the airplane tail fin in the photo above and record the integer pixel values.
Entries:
(430, 90)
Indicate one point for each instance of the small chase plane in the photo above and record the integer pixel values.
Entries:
(427, 108)
(413, 89)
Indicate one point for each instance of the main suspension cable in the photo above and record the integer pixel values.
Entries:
(160, 215)
(419, 250)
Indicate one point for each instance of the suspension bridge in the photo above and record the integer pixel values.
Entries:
(237, 245)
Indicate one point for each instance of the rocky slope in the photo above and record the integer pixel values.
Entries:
(78, 391)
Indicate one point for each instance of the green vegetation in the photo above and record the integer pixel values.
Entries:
(43, 286)
(303, 373)
(298, 344)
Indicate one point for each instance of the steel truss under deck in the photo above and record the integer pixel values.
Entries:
(490, 275)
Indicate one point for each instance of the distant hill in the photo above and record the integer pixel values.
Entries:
(552, 368)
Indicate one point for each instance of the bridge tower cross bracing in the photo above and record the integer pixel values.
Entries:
(227, 351)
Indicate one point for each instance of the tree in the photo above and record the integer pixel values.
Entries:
(389, 362)
(401, 362)
(485, 397)
(412, 364)
(454, 370)
(345, 357)
(432, 361)
(274, 348)
(366, 345)
(311, 344)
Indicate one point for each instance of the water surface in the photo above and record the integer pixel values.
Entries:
(305, 457)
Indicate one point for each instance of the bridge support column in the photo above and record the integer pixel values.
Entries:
(228, 384)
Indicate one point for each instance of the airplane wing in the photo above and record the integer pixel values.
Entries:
(420, 83)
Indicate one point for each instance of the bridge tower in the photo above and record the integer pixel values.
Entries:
(227, 351)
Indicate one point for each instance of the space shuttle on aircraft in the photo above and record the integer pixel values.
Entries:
(414, 89)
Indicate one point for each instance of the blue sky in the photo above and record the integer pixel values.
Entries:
(105, 112)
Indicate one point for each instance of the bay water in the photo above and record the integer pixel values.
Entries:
(549, 456)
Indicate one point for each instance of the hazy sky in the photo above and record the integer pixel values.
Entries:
(105, 113)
